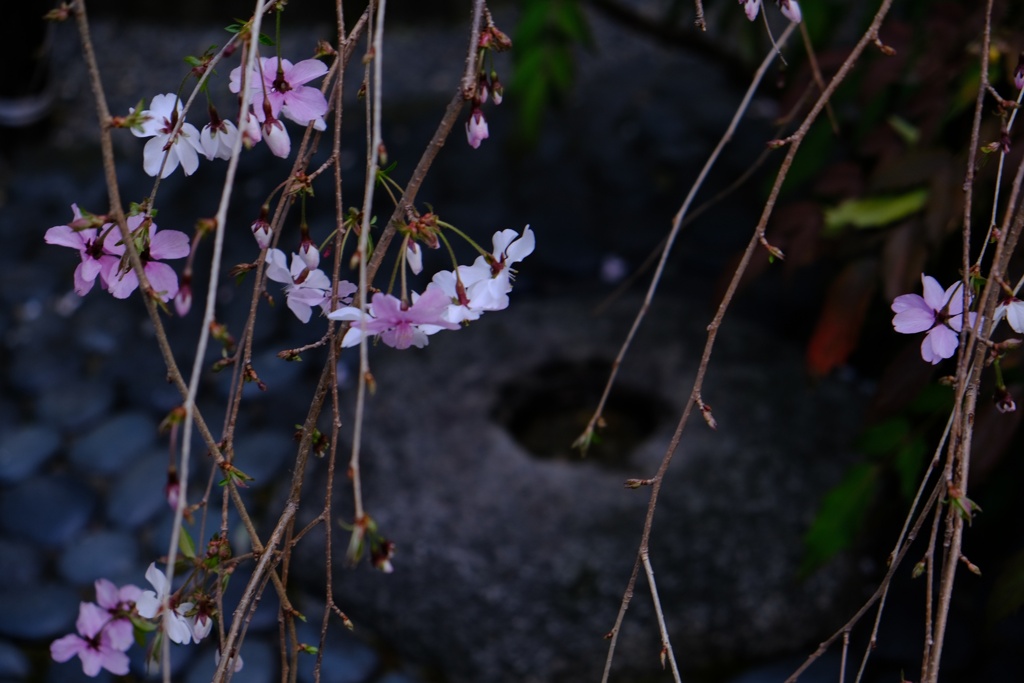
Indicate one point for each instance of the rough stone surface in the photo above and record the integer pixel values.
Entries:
(29, 511)
(24, 451)
(114, 443)
(524, 560)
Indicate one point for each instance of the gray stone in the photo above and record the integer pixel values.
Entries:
(259, 663)
(24, 451)
(48, 510)
(261, 455)
(104, 554)
(20, 563)
(523, 560)
(36, 369)
(13, 662)
(138, 494)
(114, 443)
(346, 659)
(45, 611)
(76, 405)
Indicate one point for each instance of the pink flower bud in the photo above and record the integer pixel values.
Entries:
(309, 254)
(183, 299)
(752, 8)
(791, 10)
(261, 231)
(476, 128)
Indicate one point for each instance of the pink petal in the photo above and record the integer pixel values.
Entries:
(304, 71)
(107, 594)
(934, 295)
(163, 279)
(67, 647)
(304, 104)
(169, 244)
(939, 344)
(65, 236)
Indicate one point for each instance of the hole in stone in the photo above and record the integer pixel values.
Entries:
(547, 409)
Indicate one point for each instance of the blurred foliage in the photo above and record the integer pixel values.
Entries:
(896, 447)
(546, 38)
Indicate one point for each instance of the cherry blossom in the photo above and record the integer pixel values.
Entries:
(476, 128)
(94, 644)
(1013, 310)
(276, 136)
(938, 312)
(489, 280)
(99, 258)
(165, 244)
(304, 287)
(282, 83)
(119, 603)
(150, 605)
(160, 119)
(397, 325)
(751, 7)
(218, 137)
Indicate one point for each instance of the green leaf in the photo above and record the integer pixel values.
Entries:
(186, 544)
(874, 212)
(841, 516)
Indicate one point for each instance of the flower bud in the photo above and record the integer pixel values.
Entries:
(261, 231)
(476, 128)
(309, 254)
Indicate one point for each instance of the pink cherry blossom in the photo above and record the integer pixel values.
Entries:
(119, 603)
(283, 86)
(98, 258)
(752, 8)
(304, 287)
(165, 244)
(218, 137)
(398, 325)
(939, 313)
(162, 115)
(93, 644)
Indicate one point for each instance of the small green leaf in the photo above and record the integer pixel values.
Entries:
(841, 516)
(874, 212)
(186, 544)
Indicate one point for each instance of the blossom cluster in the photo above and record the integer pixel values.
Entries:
(103, 254)
(789, 8)
(278, 90)
(450, 299)
(106, 628)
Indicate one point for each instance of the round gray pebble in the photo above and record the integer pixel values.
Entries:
(259, 663)
(29, 511)
(75, 406)
(45, 611)
(106, 554)
(24, 451)
(114, 443)
(138, 494)
(20, 563)
(13, 662)
(346, 658)
(262, 454)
